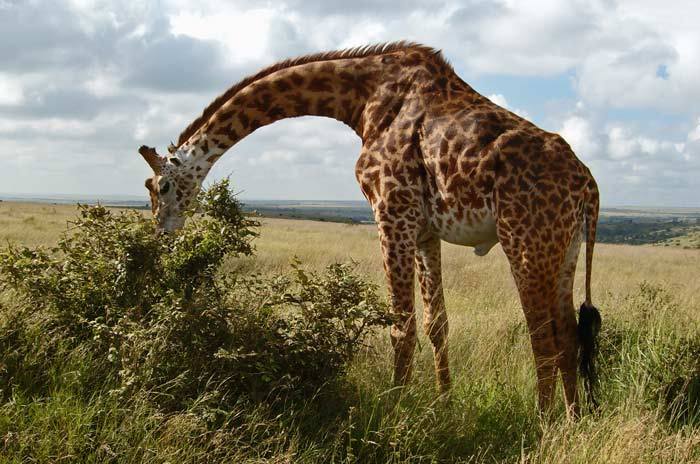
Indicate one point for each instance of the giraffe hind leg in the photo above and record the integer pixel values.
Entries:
(536, 269)
(567, 314)
(537, 305)
(435, 323)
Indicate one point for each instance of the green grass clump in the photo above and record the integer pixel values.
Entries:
(643, 356)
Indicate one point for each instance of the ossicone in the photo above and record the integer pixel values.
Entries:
(154, 160)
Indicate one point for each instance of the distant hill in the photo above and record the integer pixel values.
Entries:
(333, 211)
(131, 201)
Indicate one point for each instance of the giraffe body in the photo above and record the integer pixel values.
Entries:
(438, 162)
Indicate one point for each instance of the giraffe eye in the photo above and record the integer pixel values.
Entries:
(165, 187)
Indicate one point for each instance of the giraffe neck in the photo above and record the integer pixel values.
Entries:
(337, 89)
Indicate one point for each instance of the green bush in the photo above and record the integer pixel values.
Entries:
(157, 318)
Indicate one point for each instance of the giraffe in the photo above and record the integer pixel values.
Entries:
(438, 162)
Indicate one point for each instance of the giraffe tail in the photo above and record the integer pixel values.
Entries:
(589, 319)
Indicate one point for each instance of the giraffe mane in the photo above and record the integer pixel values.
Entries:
(356, 52)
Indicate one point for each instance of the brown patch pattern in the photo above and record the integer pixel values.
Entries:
(438, 162)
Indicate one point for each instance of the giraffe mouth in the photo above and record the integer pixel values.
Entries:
(170, 225)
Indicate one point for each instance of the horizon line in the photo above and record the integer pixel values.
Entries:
(69, 198)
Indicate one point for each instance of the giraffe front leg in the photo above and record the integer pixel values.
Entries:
(398, 212)
(398, 253)
(428, 265)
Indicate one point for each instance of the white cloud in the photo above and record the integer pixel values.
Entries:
(93, 79)
(623, 144)
(103, 84)
(11, 91)
(244, 33)
(650, 36)
(620, 145)
(500, 100)
(631, 166)
(633, 179)
(694, 135)
(49, 127)
(580, 134)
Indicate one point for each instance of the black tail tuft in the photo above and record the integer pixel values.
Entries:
(589, 322)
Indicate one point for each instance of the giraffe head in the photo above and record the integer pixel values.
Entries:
(170, 188)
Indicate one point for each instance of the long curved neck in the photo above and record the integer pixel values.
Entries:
(336, 89)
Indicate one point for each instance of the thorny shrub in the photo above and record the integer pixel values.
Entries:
(158, 316)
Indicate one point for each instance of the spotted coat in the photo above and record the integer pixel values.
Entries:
(438, 162)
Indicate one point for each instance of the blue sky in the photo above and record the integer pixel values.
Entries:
(83, 83)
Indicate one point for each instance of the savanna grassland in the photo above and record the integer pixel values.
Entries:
(649, 366)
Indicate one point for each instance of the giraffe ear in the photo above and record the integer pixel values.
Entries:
(154, 160)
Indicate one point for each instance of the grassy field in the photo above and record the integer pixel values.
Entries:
(648, 297)
(687, 241)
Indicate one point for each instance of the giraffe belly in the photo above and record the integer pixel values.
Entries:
(477, 229)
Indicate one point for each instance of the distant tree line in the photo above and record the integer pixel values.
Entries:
(633, 230)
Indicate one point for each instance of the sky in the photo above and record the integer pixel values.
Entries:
(84, 83)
